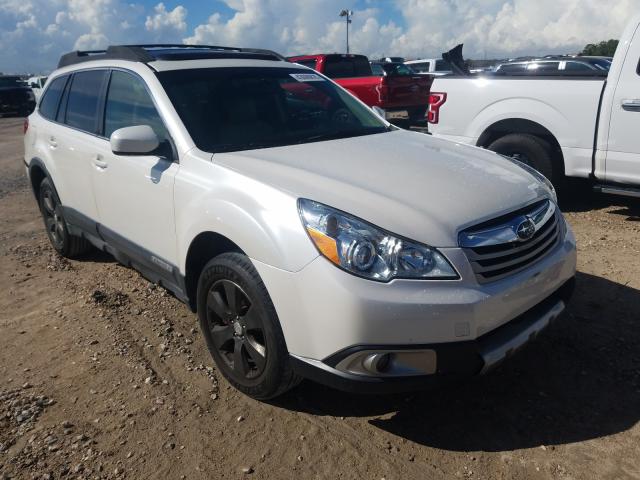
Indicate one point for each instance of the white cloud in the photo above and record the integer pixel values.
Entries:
(33, 33)
(167, 23)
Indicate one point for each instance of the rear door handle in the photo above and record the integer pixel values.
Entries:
(631, 105)
(99, 162)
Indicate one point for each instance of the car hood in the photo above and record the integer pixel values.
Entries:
(417, 186)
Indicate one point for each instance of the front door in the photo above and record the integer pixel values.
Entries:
(623, 148)
(134, 193)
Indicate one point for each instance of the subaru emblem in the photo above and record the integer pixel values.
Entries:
(526, 229)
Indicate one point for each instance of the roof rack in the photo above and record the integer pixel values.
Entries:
(166, 51)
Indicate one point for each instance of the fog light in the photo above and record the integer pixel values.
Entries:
(377, 362)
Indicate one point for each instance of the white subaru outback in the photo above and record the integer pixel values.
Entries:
(313, 238)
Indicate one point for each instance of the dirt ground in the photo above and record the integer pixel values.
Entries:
(103, 375)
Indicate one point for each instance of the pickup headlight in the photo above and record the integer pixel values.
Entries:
(368, 251)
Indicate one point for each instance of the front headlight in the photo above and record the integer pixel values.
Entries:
(368, 251)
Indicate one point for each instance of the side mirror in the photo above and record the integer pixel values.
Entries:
(136, 140)
(34, 85)
(379, 111)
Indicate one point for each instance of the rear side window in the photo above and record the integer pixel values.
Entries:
(129, 104)
(422, 67)
(51, 98)
(84, 100)
(577, 67)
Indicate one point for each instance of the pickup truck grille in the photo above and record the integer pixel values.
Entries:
(511, 243)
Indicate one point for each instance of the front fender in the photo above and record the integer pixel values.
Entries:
(263, 221)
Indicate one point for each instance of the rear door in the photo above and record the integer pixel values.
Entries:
(623, 155)
(74, 141)
(135, 192)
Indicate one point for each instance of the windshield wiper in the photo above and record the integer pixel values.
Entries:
(340, 134)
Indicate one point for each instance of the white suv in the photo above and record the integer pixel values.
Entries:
(313, 238)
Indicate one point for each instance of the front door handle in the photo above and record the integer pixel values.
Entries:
(99, 162)
(632, 105)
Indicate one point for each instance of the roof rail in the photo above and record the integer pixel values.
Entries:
(146, 53)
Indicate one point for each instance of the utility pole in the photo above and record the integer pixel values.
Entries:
(347, 14)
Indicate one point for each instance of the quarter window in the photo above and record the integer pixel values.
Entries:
(84, 99)
(129, 104)
(51, 98)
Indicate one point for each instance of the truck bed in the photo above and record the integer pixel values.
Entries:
(566, 105)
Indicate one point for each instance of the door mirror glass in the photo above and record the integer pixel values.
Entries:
(136, 140)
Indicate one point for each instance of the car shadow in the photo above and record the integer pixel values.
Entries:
(578, 196)
(579, 380)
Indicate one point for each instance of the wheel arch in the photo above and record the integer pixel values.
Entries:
(37, 173)
(205, 246)
(522, 126)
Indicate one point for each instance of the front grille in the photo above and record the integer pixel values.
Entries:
(495, 251)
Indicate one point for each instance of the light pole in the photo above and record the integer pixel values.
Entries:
(347, 14)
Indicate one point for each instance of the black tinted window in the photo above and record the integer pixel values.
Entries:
(308, 63)
(231, 109)
(51, 99)
(336, 66)
(129, 104)
(82, 105)
(577, 67)
(442, 66)
(513, 67)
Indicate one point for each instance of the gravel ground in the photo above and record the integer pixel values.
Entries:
(104, 375)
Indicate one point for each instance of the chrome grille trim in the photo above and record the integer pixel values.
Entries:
(494, 258)
(507, 232)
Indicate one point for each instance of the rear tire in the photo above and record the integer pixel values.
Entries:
(63, 242)
(534, 151)
(241, 328)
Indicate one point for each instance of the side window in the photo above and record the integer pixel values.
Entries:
(129, 104)
(577, 67)
(51, 98)
(84, 99)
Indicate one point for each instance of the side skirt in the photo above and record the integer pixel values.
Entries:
(128, 253)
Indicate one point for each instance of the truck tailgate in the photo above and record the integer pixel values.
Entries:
(407, 91)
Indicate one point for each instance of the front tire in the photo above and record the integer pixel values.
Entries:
(63, 242)
(241, 328)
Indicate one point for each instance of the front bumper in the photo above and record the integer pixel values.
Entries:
(455, 360)
(325, 312)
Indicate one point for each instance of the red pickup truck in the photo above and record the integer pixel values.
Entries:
(401, 93)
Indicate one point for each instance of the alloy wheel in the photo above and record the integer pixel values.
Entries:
(53, 221)
(236, 329)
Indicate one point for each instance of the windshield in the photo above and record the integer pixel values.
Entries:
(11, 82)
(232, 109)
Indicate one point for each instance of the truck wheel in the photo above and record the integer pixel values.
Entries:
(63, 242)
(529, 149)
(241, 328)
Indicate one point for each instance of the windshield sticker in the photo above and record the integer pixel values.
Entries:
(307, 77)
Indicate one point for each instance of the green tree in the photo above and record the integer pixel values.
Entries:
(606, 48)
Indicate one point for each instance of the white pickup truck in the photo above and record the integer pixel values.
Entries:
(562, 125)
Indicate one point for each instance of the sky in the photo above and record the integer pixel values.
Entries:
(34, 33)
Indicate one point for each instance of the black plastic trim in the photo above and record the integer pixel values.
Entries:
(595, 133)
